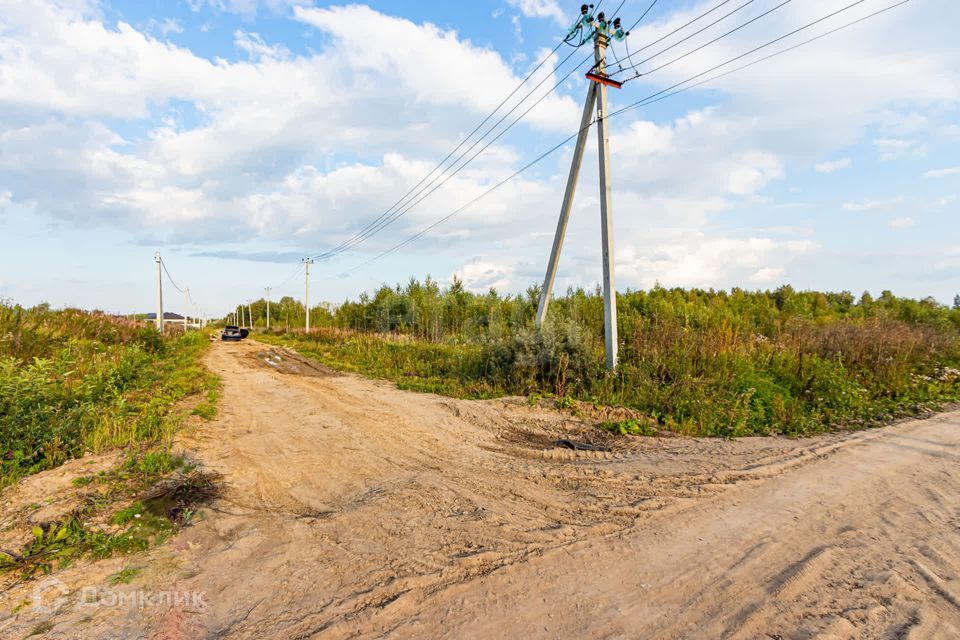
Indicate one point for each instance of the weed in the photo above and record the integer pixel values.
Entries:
(167, 499)
(629, 428)
(73, 382)
(124, 576)
(41, 629)
(131, 513)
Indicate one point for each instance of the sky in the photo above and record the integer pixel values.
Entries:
(238, 136)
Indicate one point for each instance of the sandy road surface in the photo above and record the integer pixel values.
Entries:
(353, 509)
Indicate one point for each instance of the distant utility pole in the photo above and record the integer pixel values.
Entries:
(268, 307)
(250, 313)
(596, 95)
(186, 308)
(156, 257)
(307, 262)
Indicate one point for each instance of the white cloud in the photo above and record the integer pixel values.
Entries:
(751, 172)
(480, 275)
(541, 9)
(940, 203)
(901, 223)
(256, 48)
(260, 122)
(767, 275)
(517, 29)
(893, 148)
(695, 260)
(873, 205)
(246, 8)
(266, 144)
(942, 173)
(833, 165)
(6, 198)
(165, 27)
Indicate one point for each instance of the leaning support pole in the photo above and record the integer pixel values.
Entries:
(606, 214)
(546, 292)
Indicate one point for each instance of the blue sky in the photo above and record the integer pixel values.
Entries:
(236, 135)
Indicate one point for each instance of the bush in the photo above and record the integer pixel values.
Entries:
(722, 363)
(72, 382)
(558, 357)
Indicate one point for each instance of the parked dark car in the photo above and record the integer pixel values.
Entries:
(231, 333)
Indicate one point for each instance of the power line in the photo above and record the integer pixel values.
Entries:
(763, 46)
(445, 176)
(385, 221)
(701, 30)
(169, 277)
(675, 31)
(655, 97)
(648, 100)
(450, 176)
(638, 21)
(482, 195)
(449, 155)
(290, 277)
(643, 15)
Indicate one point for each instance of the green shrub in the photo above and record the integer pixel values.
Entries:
(558, 357)
(72, 382)
(702, 362)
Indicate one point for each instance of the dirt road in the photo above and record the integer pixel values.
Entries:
(353, 509)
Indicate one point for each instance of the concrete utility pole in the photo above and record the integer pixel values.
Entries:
(250, 313)
(268, 307)
(596, 94)
(546, 294)
(156, 257)
(186, 309)
(606, 214)
(307, 262)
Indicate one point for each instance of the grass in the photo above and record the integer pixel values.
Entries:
(73, 382)
(629, 428)
(704, 363)
(161, 492)
(124, 576)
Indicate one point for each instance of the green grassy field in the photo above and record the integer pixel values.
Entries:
(73, 382)
(698, 362)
